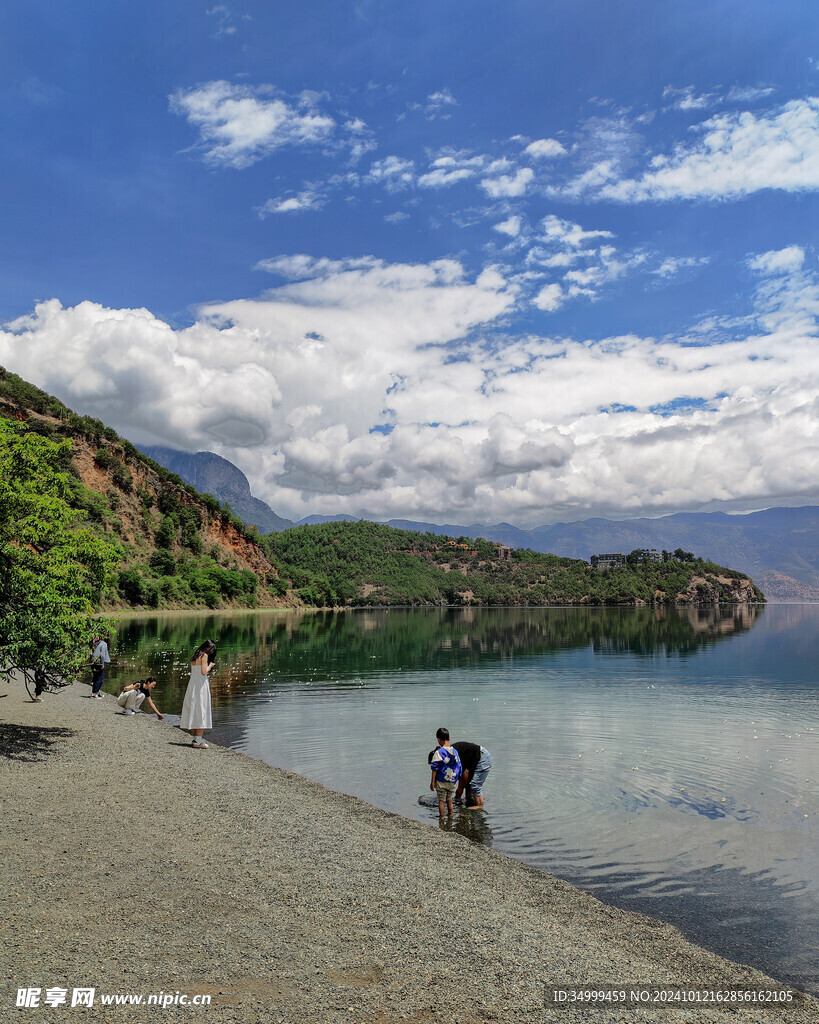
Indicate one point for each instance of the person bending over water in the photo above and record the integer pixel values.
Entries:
(134, 695)
(476, 761)
(196, 713)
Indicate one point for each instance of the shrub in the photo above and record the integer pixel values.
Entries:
(130, 586)
(122, 478)
(103, 458)
(166, 533)
(168, 502)
(276, 586)
(163, 562)
(146, 499)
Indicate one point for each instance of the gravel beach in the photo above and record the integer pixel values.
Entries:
(135, 864)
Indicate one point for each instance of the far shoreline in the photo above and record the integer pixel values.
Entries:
(140, 613)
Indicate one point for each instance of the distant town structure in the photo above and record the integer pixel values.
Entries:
(607, 561)
(646, 555)
(638, 557)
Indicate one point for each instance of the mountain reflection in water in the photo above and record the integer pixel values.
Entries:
(348, 646)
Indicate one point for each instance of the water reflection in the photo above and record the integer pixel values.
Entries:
(348, 646)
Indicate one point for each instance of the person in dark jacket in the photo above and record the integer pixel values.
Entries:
(476, 762)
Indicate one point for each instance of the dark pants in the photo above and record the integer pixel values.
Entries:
(98, 678)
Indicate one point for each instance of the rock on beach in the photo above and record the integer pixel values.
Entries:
(134, 864)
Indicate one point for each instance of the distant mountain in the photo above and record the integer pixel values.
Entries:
(211, 474)
(778, 548)
(318, 520)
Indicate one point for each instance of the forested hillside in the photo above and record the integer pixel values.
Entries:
(367, 563)
(173, 547)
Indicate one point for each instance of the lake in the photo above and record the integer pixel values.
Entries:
(665, 760)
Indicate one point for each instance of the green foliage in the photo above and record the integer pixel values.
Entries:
(213, 505)
(129, 583)
(103, 458)
(163, 562)
(24, 396)
(52, 569)
(166, 534)
(277, 587)
(122, 478)
(188, 581)
(91, 505)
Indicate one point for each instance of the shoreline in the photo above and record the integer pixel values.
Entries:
(137, 864)
(150, 613)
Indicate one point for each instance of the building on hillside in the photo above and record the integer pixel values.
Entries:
(642, 555)
(610, 561)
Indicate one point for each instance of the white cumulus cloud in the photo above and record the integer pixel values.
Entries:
(779, 261)
(510, 226)
(542, 149)
(239, 125)
(437, 103)
(550, 298)
(393, 172)
(737, 154)
(508, 185)
(307, 199)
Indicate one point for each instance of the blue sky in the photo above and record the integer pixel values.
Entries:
(453, 261)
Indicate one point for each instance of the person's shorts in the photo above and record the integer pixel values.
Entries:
(445, 790)
(475, 786)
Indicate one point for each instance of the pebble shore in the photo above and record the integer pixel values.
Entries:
(132, 863)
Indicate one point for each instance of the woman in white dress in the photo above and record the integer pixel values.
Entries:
(196, 715)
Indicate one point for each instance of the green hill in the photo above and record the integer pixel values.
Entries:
(173, 547)
(362, 563)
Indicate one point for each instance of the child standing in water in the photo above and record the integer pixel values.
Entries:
(196, 715)
(446, 770)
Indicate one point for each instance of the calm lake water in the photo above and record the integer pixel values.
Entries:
(666, 761)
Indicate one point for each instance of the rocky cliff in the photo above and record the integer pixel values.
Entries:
(711, 589)
(211, 474)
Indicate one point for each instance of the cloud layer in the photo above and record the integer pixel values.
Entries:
(383, 389)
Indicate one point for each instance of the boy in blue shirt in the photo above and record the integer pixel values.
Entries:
(446, 770)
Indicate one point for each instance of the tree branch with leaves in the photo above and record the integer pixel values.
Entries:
(52, 569)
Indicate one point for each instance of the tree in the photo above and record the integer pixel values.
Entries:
(51, 569)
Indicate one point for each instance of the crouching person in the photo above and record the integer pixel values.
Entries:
(134, 695)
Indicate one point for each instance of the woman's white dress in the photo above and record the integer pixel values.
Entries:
(196, 705)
